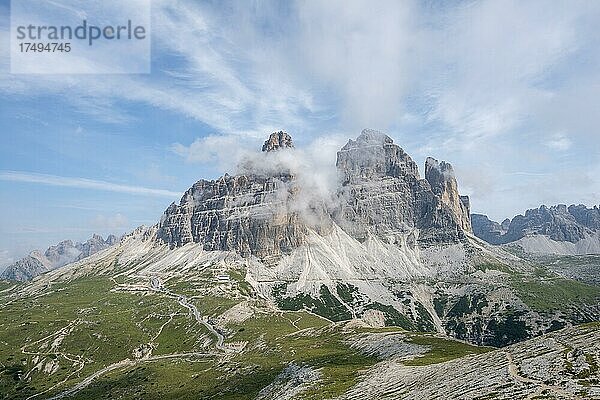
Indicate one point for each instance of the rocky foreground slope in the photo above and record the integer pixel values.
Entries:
(573, 230)
(54, 257)
(561, 365)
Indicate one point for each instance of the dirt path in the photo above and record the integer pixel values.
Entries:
(157, 286)
(122, 364)
(513, 370)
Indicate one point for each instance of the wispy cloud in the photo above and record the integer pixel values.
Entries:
(5, 259)
(110, 222)
(83, 183)
(559, 142)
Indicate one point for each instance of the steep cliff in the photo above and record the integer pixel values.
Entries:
(382, 193)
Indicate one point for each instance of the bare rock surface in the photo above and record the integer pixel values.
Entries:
(560, 365)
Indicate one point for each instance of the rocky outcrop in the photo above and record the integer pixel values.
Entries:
(571, 225)
(27, 267)
(246, 214)
(382, 193)
(249, 213)
(486, 229)
(440, 176)
(55, 256)
(254, 213)
(95, 244)
(372, 157)
(278, 140)
(63, 253)
(588, 217)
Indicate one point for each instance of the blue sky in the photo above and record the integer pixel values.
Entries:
(507, 91)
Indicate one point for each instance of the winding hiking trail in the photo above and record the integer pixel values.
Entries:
(121, 364)
(513, 370)
(155, 285)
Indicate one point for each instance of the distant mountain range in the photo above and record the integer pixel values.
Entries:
(559, 229)
(56, 256)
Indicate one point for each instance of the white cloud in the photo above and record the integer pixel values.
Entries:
(363, 50)
(111, 223)
(5, 259)
(559, 142)
(223, 151)
(83, 183)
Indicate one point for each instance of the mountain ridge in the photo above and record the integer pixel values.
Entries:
(556, 229)
(55, 256)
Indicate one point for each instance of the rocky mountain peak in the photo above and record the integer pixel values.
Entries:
(435, 168)
(440, 176)
(263, 214)
(371, 136)
(559, 223)
(374, 155)
(278, 140)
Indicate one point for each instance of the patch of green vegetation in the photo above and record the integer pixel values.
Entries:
(243, 286)
(548, 293)
(82, 319)
(326, 305)
(8, 284)
(348, 293)
(392, 316)
(468, 304)
(214, 305)
(168, 379)
(439, 304)
(495, 266)
(274, 341)
(510, 329)
(441, 350)
(424, 321)
(180, 335)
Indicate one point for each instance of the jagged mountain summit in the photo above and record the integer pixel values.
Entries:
(55, 256)
(558, 229)
(278, 140)
(380, 192)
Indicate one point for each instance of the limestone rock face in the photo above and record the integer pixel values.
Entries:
(588, 217)
(373, 156)
(278, 140)
(246, 214)
(383, 194)
(440, 176)
(63, 253)
(254, 213)
(488, 230)
(27, 267)
(556, 222)
(95, 244)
